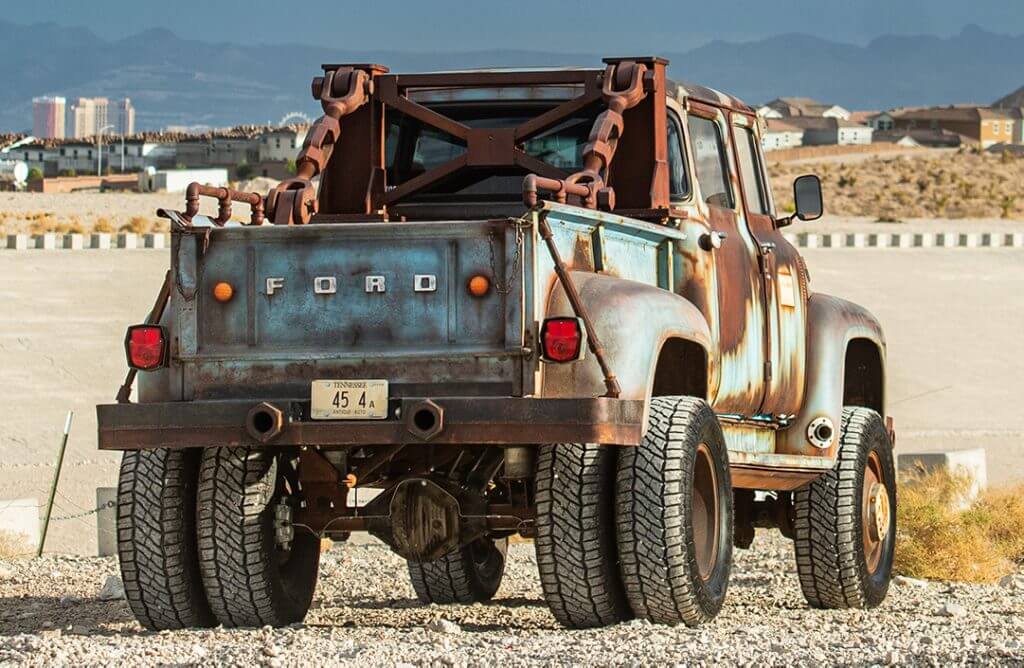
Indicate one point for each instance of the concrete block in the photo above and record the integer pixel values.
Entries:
(924, 240)
(970, 463)
(967, 240)
(1014, 239)
(834, 240)
(857, 240)
(985, 240)
(20, 517)
(945, 240)
(807, 240)
(73, 242)
(901, 240)
(45, 241)
(99, 240)
(17, 242)
(878, 241)
(158, 240)
(128, 240)
(106, 521)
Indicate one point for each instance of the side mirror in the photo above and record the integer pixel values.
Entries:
(807, 196)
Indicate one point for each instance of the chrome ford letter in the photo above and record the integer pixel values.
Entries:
(425, 283)
(375, 283)
(274, 283)
(325, 285)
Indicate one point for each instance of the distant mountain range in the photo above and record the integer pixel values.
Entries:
(176, 81)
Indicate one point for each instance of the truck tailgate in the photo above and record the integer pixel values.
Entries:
(366, 300)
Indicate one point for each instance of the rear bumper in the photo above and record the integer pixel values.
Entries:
(460, 420)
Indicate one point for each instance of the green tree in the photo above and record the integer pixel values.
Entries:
(243, 171)
(34, 174)
(291, 167)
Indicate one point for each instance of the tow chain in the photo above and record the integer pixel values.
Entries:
(520, 224)
(108, 504)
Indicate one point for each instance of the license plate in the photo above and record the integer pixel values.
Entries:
(349, 400)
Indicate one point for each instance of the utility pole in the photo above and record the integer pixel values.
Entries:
(99, 149)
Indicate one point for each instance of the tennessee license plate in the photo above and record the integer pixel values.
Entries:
(349, 400)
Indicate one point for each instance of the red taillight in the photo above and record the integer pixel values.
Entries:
(146, 346)
(562, 339)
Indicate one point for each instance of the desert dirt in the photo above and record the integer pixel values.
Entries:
(365, 613)
(960, 183)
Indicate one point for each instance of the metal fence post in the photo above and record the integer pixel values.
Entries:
(56, 478)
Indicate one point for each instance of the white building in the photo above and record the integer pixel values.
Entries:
(282, 144)
(822, 131)
(780, 134)
(176, 180)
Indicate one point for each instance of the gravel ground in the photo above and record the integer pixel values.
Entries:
(366, 613)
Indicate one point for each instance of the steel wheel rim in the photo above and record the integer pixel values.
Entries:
(705, 508)
(876, 520)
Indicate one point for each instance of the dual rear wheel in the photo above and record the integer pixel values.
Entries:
(638, 532)
(647, 532)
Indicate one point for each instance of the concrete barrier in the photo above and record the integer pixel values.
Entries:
(73, 242)
(20, 518)
(970, 463)
(128, 240)
(45, 241)
(17, 242)
(106, 521)
(99, 241)
(158, 240)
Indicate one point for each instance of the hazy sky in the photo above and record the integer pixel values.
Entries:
(570, 25)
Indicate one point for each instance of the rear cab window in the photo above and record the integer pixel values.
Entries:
(710, 162)
(755, 193)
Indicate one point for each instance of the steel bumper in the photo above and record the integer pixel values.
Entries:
(460, 420)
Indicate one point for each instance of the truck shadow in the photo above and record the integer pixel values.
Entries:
(86, 616)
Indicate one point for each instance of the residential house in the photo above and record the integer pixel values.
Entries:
(779, 134)
(1013, 104)
(78, 156)
(789, 107)
(938, 138)
(822, 131)
(42, 155)
(764, 111)
(141, 152)
(981, 125)
(282, 144)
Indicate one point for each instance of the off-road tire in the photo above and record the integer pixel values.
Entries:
(156, 540)
(656, 511)
(249, 581)
(470, 574)
(828, 522)
(575, 542)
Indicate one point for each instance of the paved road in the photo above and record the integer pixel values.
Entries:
(954, 321)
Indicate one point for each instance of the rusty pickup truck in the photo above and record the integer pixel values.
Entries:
(554, 304)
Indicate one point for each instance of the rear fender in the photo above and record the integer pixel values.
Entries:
(633, 321)
(834, 327)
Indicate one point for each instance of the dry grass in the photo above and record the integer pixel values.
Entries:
(960, 184)
(938, 539)
(138, 225)
(13, 545)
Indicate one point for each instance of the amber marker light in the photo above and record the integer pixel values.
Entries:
(223, 292)
(478, 285)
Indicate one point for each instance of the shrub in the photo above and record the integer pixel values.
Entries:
(939, 540)
(13, 545)
(102, 225)
(138, 225)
